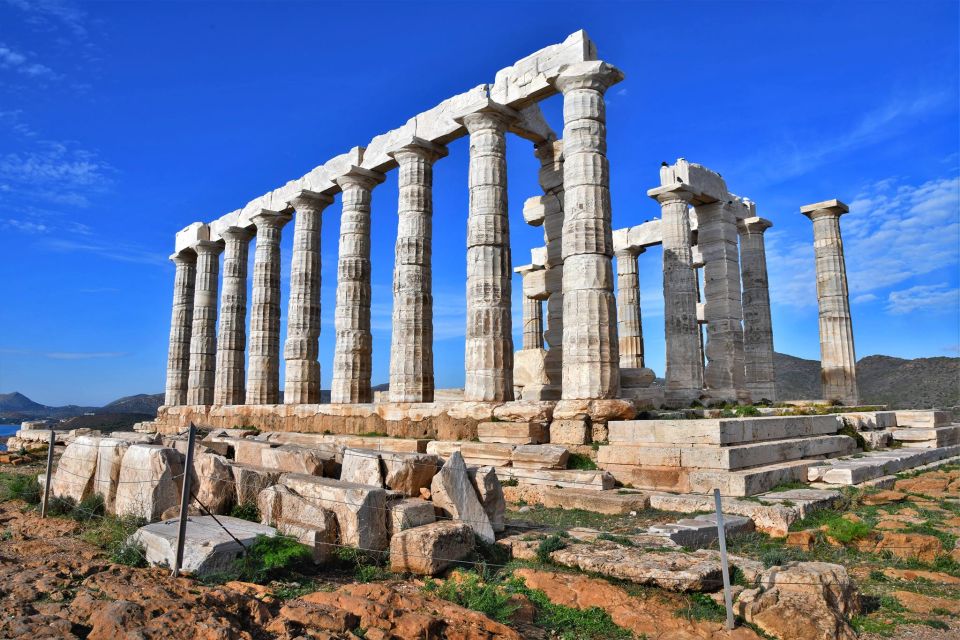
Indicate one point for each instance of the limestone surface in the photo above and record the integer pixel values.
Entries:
(430, 549)
(454, 496)
(360, 509)
(361, 466)
(150, 480)
(75, 472)
(490, 492)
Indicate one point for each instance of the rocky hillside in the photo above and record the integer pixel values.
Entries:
(917, 383)
(16, 407)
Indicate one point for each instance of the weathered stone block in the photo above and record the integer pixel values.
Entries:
(570, 431)
(249, 481)
(213, 482)
(408, 513)
(540, 456)
(149, 482)
(512, 432)
(409, 472)
(76, 470)
(361, 466)
(360, 509)
(291, 458)
(430, 549)
(454, 496)
(490, 493)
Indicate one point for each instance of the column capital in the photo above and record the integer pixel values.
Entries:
(673, 193)
(524, 269)
(417, 147)
(627, 252)
(753, 225)
(208, 247)
(360, 177)
(833, 208)
(270, 219)
(237, 233)
(595, 74)
(491, 115)
(311, 200)
(184, 257)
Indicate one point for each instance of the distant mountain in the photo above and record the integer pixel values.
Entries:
(16, 407)
(919, 383)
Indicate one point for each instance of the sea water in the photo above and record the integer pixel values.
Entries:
(7, 430)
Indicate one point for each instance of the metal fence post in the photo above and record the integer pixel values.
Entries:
(725, 568)
(185, 493)
(46, 485)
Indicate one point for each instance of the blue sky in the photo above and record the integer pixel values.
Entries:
(122, 122)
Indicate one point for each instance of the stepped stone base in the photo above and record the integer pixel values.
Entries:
(513, 432)
(876, 464)
(923, 418)
(931, 437)
(721, 431)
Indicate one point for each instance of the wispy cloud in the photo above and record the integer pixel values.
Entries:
(895, 232)
(25, 226)
(18, 62)
(67, 355)
(930, 298)
(51, 14)
(111, 250)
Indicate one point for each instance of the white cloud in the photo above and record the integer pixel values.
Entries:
(110, 250)
(44, 14)
(894, 232)
(929, 297)
(83, 355)
(26, 226)
(18, 62)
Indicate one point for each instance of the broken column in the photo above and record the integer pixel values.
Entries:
(411, 347)
(837, 358)
(684, 368)
(181, 325)
(590, 351)
(352, 357)
(229, 383)
(301, 349)
(489, 340)
(263, 384)
(717, 239)
(757, 325)
(529, 364)
(203, 336)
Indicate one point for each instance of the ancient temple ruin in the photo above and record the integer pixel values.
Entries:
(583, 354)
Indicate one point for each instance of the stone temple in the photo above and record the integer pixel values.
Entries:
(581, 362)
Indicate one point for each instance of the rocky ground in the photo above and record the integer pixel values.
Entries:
(65, 577)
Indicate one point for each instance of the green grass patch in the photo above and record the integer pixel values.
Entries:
(112, 534)
(489, 598)
(700, 606)
(246, 511)
(18, 486)
(581, 461)
(548, 546)
(268, 558)
(623, 540)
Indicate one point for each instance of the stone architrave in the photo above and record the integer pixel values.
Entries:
(301, 349)
(684, 367)
(229, 382)
(263, 383)
(629, 323)
(837, 356)
(203, 337)
(590, 350)
(489, 337)
(352, 358)
(717, 239)
(181, 326)
(411, 347)
(757, 324)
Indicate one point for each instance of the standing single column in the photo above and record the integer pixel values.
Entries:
(203, 337)
(684, 368)
(629, 323)
(532, 323)
(717, 239)
(263, 384)
(181, 325)
(352, 358)
(229, 386)
(551, 180)
(301, 349)
(837, 357)
(411, 347)
(757, 325)
(489, 340)
(590, 350)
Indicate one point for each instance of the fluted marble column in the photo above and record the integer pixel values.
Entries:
(629, 322)
(203, 337)
(489, 340)
(757, 324)
(550, 155)
(684, 367)
(181, 326)
(411, 346)
(837, 356)
(717, 239)
(352, 358)
(532, 323)
(301, 349)
(263, 382)
(590, 349)
(229, 385)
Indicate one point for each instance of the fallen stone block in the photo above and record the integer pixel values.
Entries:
(608, 502)
(361, 466)
(408, 513)
(213, 482)
(150, 479)
(593, 480)
(539, 456)
(249, 481)
(430, 549)
(249, 452)
(109, 458)
(207, 548)
(512, 432)
(409, 472)
(454, 496)
(291, 458)
(360, 509)
(296, 516)
(701, 531)
(923, 419)
(490, 493)
(75, 471)
(570, 431)
(477, 453)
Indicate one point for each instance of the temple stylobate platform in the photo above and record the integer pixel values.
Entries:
(582, 355)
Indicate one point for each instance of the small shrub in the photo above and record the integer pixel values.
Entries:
(623, 540)
(509, 482)
(21, 487)
(112, 534)
(548, 546)
(937, 624)
(472, 592)
(747, 410)
(268, 556)
(581, 461)
(700, 606)
(246, 511)
(849, 430)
